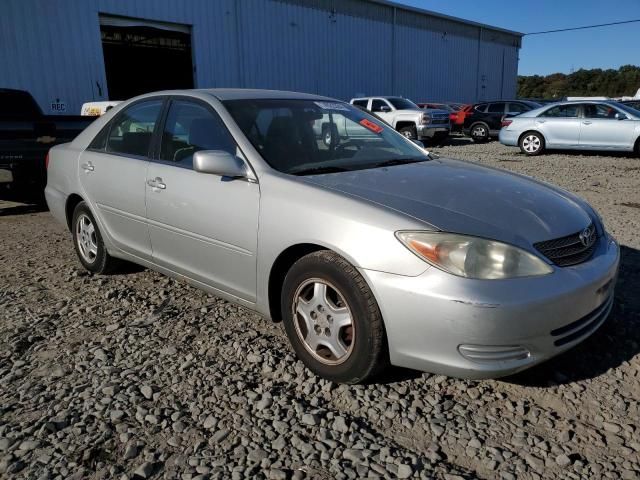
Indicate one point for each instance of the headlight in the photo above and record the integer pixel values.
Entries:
(473, 257)
(425, 119)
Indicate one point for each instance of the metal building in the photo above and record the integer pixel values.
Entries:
(67, 52)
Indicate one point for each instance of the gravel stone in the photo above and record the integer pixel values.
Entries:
(135, 375)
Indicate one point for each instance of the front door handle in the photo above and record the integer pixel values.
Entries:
(586, 122)
(156, 183)
(540, 121)
(88, 167)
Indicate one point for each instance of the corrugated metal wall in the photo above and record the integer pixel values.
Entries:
(338, 48)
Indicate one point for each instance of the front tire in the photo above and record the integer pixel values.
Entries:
(409, 132)
(479, 132)
(332, 319)
(531, 144)
(88, 242)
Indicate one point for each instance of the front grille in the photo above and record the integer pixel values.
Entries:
(572, 249)
(583, 326)
(440, 121)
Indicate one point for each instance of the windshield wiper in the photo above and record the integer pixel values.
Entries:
(400, 161)
(318, 170)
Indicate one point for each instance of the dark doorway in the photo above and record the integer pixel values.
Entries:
(141, 59)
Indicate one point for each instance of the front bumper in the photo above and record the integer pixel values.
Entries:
(431, 131)
(508, 137)
(468, 328)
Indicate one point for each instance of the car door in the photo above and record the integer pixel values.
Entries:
(494, 115)
(600, 129)
(560, 125)
(113, 172)
(201, 225)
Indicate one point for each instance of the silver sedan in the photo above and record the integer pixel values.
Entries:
(369, 250)
(574, 126)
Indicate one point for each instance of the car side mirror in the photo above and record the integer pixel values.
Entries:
(620, 116)
(385, 108)
(219, 162)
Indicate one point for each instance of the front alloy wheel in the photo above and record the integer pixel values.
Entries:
(323, 321)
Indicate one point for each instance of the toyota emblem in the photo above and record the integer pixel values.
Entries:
(587, 236)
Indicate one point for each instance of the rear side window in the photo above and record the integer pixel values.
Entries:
(517, 108)
(189, 128)
(132, 130)
(496, 108)
(561, 111)
(361, 103)
(481, 108)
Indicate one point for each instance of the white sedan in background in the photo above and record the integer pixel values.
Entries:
(585, 125)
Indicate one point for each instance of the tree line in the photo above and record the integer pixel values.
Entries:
(595, 82)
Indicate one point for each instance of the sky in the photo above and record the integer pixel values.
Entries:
(606, 47)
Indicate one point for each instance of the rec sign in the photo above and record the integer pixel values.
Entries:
(58, 107)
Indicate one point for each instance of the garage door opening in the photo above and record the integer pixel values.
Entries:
(142, 56)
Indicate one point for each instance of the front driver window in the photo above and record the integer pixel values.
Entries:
(191, 127)
(600, 112)
(132, 130)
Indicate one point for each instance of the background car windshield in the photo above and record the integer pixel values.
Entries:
(629, 109)
(303, 136)
(402, 103)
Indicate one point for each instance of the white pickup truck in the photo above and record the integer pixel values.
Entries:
(427, 125)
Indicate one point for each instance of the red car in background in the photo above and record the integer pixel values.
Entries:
(457, 112)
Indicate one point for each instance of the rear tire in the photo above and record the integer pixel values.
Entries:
(479, 132)
(409, 132)
(636, 150)
(332, 319)
(531, 144)
(88, 242)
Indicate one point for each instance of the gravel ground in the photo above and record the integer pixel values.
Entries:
(138, 376)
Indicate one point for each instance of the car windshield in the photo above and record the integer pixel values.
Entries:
(629, 109)
(304, 137)
(402, 103)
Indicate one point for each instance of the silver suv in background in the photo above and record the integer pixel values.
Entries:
(406, 117)
(582, 125)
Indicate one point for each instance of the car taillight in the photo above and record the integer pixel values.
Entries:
(506, 123)
(46, 161)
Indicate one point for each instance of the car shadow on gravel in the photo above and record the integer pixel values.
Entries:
(615, 342)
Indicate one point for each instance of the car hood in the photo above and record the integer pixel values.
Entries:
(460, 197)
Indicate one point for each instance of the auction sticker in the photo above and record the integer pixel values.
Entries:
(332, 106)
(375, 128)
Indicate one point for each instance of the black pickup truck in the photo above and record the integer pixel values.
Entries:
(26, 135)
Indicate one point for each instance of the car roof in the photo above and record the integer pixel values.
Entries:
(223, 94)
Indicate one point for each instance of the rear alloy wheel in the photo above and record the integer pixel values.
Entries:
(480, 132)
(332, 319)
(532, 143)
(88, 243)
(409, 132)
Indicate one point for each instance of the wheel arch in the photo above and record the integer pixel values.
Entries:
(405, 123)
(538, 132)
(278, 272)
(72, 202)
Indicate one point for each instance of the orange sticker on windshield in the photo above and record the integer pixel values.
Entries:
(370, 125)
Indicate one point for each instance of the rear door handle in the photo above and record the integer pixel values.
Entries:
(88, 167)
(156, 183)
(586, 122)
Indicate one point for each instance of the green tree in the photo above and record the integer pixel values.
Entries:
(595, 82)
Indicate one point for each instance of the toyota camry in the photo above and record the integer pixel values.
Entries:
(370, 250)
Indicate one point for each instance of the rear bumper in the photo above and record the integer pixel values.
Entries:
(440, 323)
(508, 137)
(56, 201)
